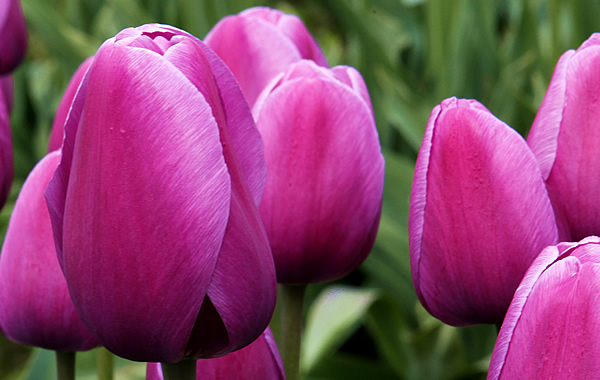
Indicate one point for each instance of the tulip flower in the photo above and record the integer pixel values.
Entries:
(57, 132)
(479, 214)
(564, 137)
(322, 199)
(154, 203)
(258, 361)
(35, 305)
(260, 43)
(13, 44)
(552, 325)
(6, 148)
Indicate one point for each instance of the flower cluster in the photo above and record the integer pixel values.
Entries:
(492, 215)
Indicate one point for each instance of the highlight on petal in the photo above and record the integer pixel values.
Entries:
(551, 329)
(479, 214)
(325, 177)
(13, 45)
(36, 306)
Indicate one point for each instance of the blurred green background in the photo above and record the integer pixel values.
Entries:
(412, 54)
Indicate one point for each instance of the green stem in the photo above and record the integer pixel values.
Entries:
(183, 370)
(65, 365)
(292, 305)
(105, 364)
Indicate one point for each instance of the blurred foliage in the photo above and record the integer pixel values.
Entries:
(412, 54)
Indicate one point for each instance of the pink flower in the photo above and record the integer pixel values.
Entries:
(552, 325)
(479, 214)
(260, 43)
(13, 44)
(154, 204)
(325, 170)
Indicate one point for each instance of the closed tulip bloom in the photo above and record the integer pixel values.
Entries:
(57, 132)
(552, 326)
(565, 136)
(154, 204)
(260, 43)
(35, 305)
(479, 214)
(258, 361)
(322, 199)
(13, 44)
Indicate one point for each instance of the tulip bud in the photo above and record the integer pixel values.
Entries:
(551, 325)
(322, 199)
(260, 43)
(565, 137)
(479, 214)
(258, 361)
(35, 305)
(57, 132)
(13, 44)
(154, 204)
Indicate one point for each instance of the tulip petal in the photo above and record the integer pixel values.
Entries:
(324, 186)
(258, 361)
(257, 48)
(6, 147)
(479, 214)
(13, 45)
(57, 132)
(554, 335)
(36, 306)
(571, 128)
(147, 141)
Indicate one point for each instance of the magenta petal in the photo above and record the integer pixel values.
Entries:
(551, 326)
(479, 214)
(56, 135)
(259, 44)
(570, 128)
(6, 148)
(13, 30)
(258, 361)
(324, 179)
(142, 155)
(36, 306)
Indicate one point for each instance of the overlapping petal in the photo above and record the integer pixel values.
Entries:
(479, 214)
(36, 308)
(260, 43)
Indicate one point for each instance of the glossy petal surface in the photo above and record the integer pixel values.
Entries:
(552, 326)
(13, 30)
(479, 214)
(325, 177)
(258, 361)
(260, 43)
(36, 308)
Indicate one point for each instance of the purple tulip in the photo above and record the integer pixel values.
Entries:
(6, 148)
(565, 136)
(35, 305)
(479, 214)
(258, 361)
(57, 132)
(260, 43)
(322, 199)
(13, 44)
(154, 204)
(550, 330)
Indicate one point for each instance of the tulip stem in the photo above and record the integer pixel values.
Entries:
(292, 313)
(65, 365)
(182, 370)
(105, 364)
